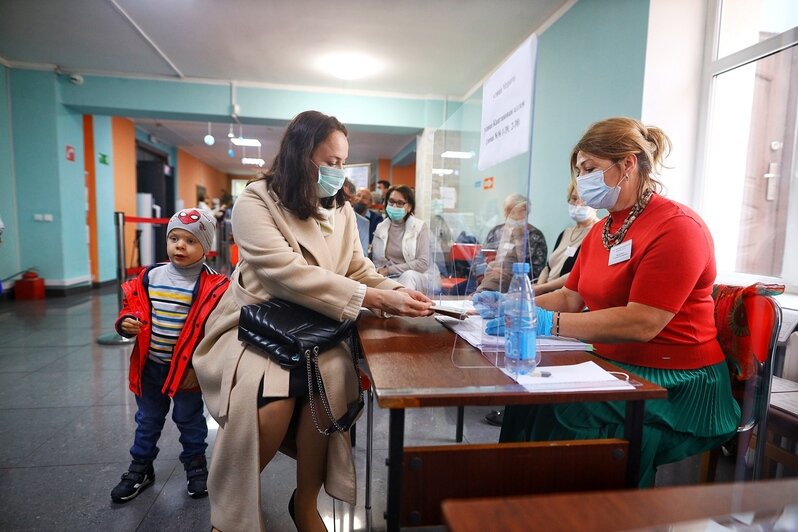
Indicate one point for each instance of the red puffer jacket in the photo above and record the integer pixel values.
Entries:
(137, 305)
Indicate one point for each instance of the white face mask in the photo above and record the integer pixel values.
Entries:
(595, 193)
(580, 213)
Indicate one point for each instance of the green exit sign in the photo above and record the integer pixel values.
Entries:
(104, 158)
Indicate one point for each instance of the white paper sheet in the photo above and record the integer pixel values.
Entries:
(470, 330)
(584, 376)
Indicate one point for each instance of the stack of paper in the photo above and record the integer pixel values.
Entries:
(584, 376)
(471, 330)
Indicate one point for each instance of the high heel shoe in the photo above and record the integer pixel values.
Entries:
(291, 509)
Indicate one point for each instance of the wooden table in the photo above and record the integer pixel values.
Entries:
(411, 364)
(621, 510)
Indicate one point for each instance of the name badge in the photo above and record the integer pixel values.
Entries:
(570, 251)
(620, 253)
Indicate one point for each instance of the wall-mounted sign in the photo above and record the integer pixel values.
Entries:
(507, 107)
(487, 183)
(103, 157)
(70, 153)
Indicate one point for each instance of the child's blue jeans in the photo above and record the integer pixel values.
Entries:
(153, 406)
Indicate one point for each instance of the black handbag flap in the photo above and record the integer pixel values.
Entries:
(287, 330)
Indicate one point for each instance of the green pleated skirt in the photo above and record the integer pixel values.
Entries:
(699, 414)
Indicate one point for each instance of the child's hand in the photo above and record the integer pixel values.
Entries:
(189, 380)
(131, 326)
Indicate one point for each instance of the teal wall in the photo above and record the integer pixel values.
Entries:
(9, 249)
(73, 199)
(104, 194)
(590, 66)
(211, 102)
(41, 133)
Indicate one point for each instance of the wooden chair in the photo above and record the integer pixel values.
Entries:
(748, 322)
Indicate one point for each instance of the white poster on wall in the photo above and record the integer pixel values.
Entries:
(507, 107)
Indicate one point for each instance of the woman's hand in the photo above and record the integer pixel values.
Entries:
(131, 326)
(400, 302)
(383, 271)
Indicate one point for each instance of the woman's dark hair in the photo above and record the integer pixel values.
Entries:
(292, 175)
(407, 192)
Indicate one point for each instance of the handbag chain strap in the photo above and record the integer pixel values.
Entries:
(312, 360)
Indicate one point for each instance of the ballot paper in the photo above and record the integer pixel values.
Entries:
(471, 330)
(586, 376)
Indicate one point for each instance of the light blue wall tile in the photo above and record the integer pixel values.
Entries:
(104, 192)
(37, 157)
(73, 197)
(9, 249)
(590, 66)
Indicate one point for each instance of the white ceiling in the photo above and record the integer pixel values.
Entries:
(439, 48)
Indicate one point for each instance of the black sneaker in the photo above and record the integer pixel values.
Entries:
(495, 417)
(196, 477)
(138, 476)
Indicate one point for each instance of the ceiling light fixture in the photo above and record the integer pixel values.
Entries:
(253, 161)
(239, 141)
(442, 171)
(348, 65)
(209, 140)
(457, 154)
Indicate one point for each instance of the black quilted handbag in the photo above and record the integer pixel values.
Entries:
(291, 334)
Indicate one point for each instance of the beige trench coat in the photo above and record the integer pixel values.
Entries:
(285, 257)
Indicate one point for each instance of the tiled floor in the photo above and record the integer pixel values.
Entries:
(66, 424)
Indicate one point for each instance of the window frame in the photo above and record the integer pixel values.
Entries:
(714, 66)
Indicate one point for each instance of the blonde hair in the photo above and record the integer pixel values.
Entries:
(512, 201)
(616, 138)
(570, 191)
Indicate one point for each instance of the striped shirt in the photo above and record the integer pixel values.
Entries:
(171, 292)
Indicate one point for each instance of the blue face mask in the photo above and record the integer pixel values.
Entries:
(330, 181)
(397, 214)
(580, 213)
(594, 192)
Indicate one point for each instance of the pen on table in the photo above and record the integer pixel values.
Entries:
(541, 374)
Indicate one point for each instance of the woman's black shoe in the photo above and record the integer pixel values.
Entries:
(495, 417)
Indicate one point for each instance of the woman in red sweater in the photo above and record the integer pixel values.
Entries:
(646, 276)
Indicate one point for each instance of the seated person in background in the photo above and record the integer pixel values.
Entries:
(646, 274)
(566, 249)
(561, 260)
(350, 195)
(510, 240)
(361, 207)
(401, 247)
(441, 235)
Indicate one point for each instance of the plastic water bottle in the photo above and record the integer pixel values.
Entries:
(520, 322)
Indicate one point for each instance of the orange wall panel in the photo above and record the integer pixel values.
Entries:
(404, 175)
(383, 169)
(91, 215)
(124, 144)
(192, 172)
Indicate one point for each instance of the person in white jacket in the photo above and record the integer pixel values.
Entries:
(401, 246)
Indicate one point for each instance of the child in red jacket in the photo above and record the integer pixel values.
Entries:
(166, 307)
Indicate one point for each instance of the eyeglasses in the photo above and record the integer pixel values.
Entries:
(399, 203)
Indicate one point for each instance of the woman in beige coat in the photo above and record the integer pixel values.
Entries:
(298, 241)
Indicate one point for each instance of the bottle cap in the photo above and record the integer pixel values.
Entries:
(520, 267)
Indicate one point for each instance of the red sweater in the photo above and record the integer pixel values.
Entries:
(209, 289)
(672, 267)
